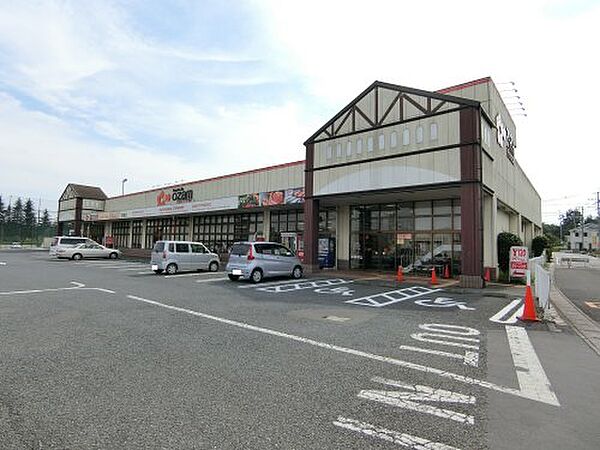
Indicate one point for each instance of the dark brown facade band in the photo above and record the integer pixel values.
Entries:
(471, 200)
(311, 215)
(78, 215)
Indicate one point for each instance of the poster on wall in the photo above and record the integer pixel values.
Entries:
(249, 200)
(294, 196)
(272, 198)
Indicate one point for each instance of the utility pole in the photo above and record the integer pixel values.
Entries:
(582, 216)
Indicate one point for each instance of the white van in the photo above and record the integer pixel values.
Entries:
(175, 256)
(67, 242)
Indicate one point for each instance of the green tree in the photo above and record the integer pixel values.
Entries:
(552, 231)
(18, 217)
(2, 210)
(538, 244)
(29, 213)
(46, 223)
(571, 219)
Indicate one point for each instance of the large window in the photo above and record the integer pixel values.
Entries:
(136, 234)
(169, 228)
(289, 221)
(219, 232)
(120, 232)
(417, 235)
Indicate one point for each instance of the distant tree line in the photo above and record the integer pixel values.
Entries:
(569, 220)
(20, 221)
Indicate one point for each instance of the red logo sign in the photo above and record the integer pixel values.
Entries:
(162, 199)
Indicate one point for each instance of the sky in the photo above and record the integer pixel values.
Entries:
(158, 92)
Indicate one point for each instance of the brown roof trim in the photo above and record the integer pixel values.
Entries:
(221, 177)
(458, 87)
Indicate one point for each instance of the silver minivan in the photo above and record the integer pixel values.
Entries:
(177, 256)
(66, 242)
(257, 260)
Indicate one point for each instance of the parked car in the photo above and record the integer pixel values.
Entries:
(64, 242)
(88, 250)
(16, 245)
(257, 260)
(176, 256)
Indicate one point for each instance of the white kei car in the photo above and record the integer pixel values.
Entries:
(88, 250)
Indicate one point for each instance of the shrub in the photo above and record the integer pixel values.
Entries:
(505, 242)
(538, 244)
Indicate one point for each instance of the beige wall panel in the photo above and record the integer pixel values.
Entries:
(390, 173)
(343, 233)
(502, 222)
(488, 233)
(276, 179)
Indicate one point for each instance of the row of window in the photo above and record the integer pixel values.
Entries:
(350, 147)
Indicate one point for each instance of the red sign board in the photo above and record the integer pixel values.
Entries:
(519, 262)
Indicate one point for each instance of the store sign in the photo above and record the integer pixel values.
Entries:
(519, 262)
(177, 195)
(272, 198)
(172, 209)
(505, 138)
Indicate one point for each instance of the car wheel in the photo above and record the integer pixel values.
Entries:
(256, 276)
(113, 255)
(233, 277)
(171, 269)
(213, 266)
(77, 256)
(297, 272)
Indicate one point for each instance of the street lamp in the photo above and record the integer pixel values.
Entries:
(123, 186)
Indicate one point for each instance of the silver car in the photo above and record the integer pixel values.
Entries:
(257, 260)
(176, 256)
(87, 250)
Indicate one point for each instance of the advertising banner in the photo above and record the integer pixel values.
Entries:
(519, 262)
(293, 196)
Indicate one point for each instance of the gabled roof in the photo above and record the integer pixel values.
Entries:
(81, 191)
(382, 104)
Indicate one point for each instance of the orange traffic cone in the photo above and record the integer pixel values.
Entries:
(487, 277)
(400, 275)
(529, 310)
(434, 280)
(447, 272)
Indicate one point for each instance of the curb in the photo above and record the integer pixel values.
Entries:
(586, 328)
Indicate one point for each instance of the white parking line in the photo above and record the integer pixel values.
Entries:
(78, 286)
(211, 280)
(530, 373)
(298, 286)
(2, 263)
(527, 393)
(507, 309)
(272, 283)
(391, 297)
(193, 274)
(411, 397)
(403, 439)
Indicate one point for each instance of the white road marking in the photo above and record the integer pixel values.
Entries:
(272, 283)
(79, 286)
(504, 311)
(426, 337)
(211, 280)
(359, 353)
(443, 302)
(193, 274)
(411, 397)
(391, 297)
(298, 286)
(343, 290)
(469, 358)
(2, 263)
(403, 439)
(530, 373)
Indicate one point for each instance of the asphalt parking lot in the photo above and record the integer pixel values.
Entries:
(106, 354)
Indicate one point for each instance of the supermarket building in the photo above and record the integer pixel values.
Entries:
(400, 176)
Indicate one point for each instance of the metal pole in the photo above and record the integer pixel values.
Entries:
(582, 242)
